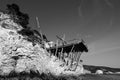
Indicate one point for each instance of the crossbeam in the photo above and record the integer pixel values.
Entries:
(77, 47)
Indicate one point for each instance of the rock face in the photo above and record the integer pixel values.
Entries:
(99, 72)
(18, 54)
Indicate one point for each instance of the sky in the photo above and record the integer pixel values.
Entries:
(97, 22)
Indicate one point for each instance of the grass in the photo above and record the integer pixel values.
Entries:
(100, 77)
(81, 77)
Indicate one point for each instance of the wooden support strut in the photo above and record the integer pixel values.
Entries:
(70, 54)
(61, 53)
(75, 56)
(71, 57)
(38, 25)
(78, 59)
(56, 48)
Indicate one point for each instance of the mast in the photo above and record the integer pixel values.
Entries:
(38, 25)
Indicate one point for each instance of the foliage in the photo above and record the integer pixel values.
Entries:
(17, 15)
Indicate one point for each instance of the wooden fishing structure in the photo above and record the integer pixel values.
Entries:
(71, 51)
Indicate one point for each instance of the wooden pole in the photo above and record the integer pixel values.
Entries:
(63, 39)
(56, 48)
(61, 54)
(38, 25)
(78, 59)
(63, 43)
(71, 56)
(75, 56)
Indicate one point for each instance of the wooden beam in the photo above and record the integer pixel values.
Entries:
(38, 25)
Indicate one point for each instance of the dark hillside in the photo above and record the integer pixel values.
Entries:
(103, 68)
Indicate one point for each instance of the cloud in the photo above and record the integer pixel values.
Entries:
(80, 3)
(105, 45)
(80, 11)
(109, 3)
